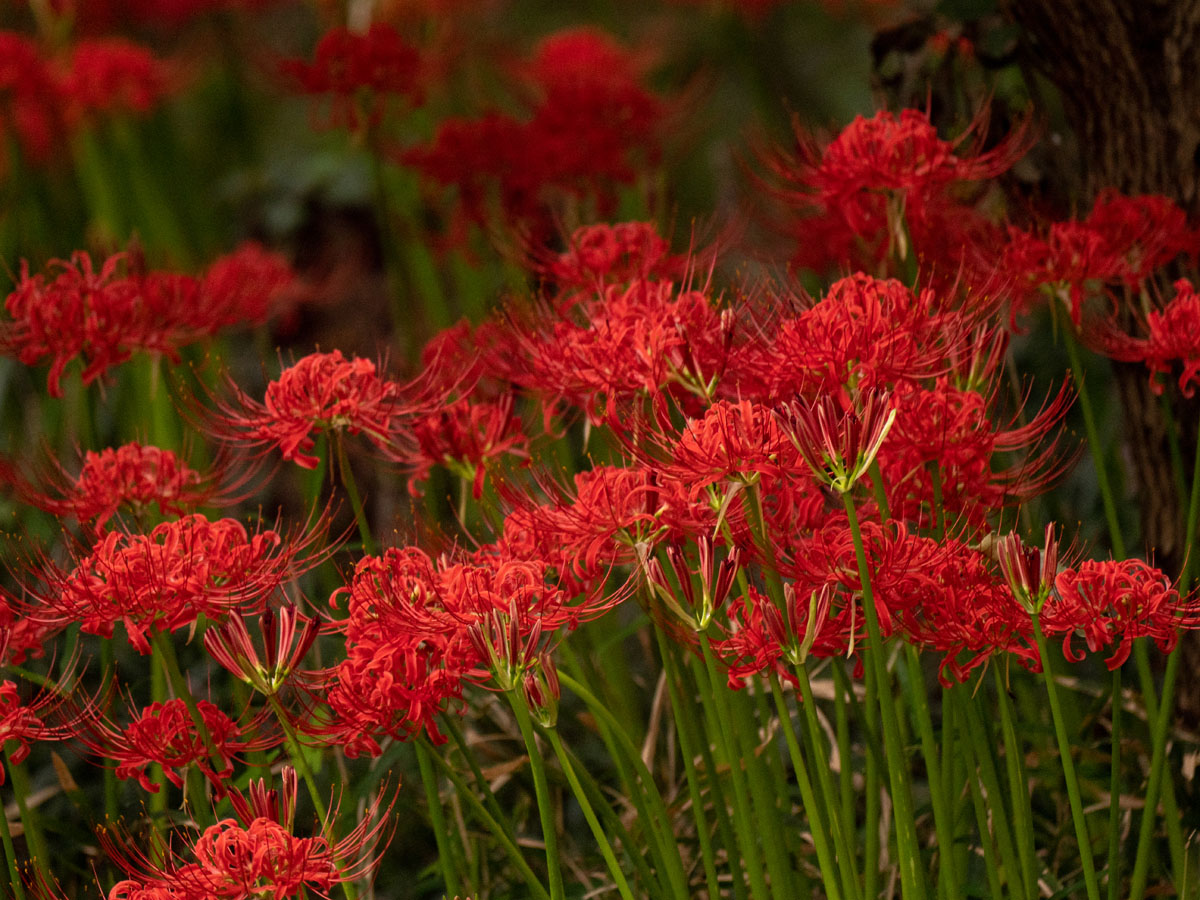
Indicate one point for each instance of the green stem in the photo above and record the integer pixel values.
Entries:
(942, 823)
(589, 814)
(912, 876)
(841, 829)
(448, 858)
(1114, 792)
(498, 831)
(656, 813)
(1017, 786)
(10, 856)
(744, 823)
(356, 504)
(1095, 446)
(684, 731)
(982, 823)
(542, 790)
(816, 821)
(1068, 764)
(976, 734)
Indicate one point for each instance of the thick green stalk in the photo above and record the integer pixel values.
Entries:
(744, 823)
(1114, 792)
(497, 830)
(684, 730)
(655, 810)
(589, 814)
(912, 869)
(449, 860)
(981, 821)
(541, 789)
(841, 829)
(942, 823)
(717, 789)
(10, 857)
(356, 504)
(816, 820)
(1017, 786)
(975, 733)
(1068, 764)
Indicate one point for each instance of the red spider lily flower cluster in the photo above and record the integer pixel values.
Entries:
(104, 317)
(593, 127)
(883, 186)
(1123, 240)
(132, 476)
(1111, 603)
(259, 856)
(359, 72)
(164, 733)
(165, 580)
(51, 716)
(323, 392)
(1172, 337)
(418, 630)
(43, 98)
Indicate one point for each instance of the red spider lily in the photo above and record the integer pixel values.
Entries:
(967, 613)
(409, 644)
(1124, 239)
(164, 733)
(259, 856)
(1114, 602)
(695, 612)
(601, 255)
(287, 637)
(594, 127)
(1173, 336)
(762, 639)
(867, 332)
(516, 652)
(165, 580)
(359, 72)
(31, 111)
(132, 476)
(466, 436)
(22, 634)
(112, 75)
(321, 392)
(901, 566)
(839, 445)
(883, 180)
(54, 714)
(104, 317)
(949, 430)
(628, 344)
(732, 442)
(613, 517)
(244, 287)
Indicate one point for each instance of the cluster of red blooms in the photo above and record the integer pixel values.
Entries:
(593, 127)
(104, 317)
(359, 72)
(42, 98)
(256, 854)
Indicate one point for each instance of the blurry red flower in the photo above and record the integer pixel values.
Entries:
(320, 392)
(358, 72)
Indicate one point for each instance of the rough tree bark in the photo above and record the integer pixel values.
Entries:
(1129, 75)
